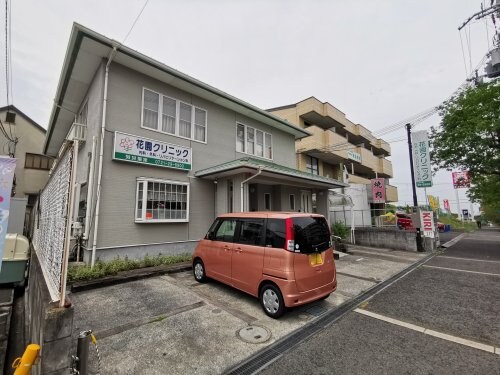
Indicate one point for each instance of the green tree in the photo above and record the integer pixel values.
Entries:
(468, 138)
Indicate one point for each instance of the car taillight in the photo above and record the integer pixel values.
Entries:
(290, 236)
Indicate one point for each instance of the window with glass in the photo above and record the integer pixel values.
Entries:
(162, 201)
(253, 141)
(225, 231)
(267, 201)
(168, 115)
(292, 202)
(251, 232)
(312, 165)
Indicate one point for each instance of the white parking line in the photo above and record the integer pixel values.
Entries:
(430, 332)
(468, 259)
(459, 270)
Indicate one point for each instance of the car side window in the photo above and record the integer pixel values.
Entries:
(225, 232)
(275, 233)
(250, 232)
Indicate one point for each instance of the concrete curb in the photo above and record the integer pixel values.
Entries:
(126, 276)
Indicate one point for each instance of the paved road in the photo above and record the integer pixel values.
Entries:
(442, 318)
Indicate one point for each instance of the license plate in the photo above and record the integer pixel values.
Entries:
(315, 259)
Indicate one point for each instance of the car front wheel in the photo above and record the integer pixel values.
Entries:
(272, 301)
(199, 271)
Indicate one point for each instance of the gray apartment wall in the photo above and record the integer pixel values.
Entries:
(94, 98)
(118, 232)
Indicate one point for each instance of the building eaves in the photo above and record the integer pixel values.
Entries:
(269, 167)
(80, 32)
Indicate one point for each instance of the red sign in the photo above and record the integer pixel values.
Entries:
(461, 179)
(378, 190)
(427, 221)
(446, 204)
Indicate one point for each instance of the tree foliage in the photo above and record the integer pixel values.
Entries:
(468, 138)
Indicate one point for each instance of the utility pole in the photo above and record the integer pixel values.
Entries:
(414, 188)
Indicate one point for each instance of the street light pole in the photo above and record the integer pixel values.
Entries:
(414, 189)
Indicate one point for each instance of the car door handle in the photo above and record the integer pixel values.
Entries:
(238, 249)
(226, 248)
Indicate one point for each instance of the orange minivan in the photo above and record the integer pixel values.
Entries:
(283, 258)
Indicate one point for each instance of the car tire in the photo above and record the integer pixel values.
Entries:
(272, 301)
(324, 297)
(199, 271)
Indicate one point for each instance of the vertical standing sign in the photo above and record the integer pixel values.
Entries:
(421, 159)
(427, 222)
(7, 167)
(446, 204)
(378, 190)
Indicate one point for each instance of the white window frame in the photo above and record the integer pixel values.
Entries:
(177, 115)
(264, 145)
(142, 217)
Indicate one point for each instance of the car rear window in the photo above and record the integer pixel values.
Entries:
(312, 234)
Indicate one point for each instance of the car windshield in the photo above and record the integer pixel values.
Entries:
(311, 234)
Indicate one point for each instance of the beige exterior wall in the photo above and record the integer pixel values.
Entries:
(332, 147)
(30, 139)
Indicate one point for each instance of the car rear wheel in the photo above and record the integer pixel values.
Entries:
(199, 271)
(272, 301)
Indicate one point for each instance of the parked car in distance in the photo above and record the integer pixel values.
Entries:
(403, 221)
(284, 259)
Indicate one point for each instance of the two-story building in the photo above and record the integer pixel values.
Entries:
(22, 138)
(341, 149)
(175, 152)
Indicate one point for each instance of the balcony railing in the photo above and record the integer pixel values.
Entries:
(391, 193)
(385, 168)
(77, 132)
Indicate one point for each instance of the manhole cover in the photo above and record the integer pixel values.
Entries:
(254, 334)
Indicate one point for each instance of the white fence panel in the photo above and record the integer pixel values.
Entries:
(51, 220)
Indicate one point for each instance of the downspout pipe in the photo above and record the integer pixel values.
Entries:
(242, 200)
(101, 155)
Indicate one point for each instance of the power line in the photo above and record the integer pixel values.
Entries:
(136, 19)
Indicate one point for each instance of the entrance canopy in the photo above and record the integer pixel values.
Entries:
(270, 173)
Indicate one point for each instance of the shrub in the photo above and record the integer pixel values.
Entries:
(340, 229)
(101, 269)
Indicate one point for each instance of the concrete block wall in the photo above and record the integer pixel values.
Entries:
(47, 324)
(388, 238)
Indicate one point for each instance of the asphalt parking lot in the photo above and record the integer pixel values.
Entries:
(442, 318)
(172, 322)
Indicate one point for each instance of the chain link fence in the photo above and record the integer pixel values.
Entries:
(50, 221)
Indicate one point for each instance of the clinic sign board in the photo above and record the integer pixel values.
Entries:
(353, 155)
(136, 149)
(427, 223)
(421, 159)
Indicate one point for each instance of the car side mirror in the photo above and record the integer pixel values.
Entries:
(210, 236)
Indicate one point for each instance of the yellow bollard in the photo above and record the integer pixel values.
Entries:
(23, 365)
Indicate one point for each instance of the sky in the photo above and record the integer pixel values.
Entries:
(379, 62)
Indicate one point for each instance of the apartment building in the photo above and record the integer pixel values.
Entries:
(339, 148)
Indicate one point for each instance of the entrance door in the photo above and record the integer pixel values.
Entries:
(305, 201)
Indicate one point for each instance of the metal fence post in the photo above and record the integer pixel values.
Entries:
(82, 352)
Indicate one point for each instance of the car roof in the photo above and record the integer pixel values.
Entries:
(269, 214)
